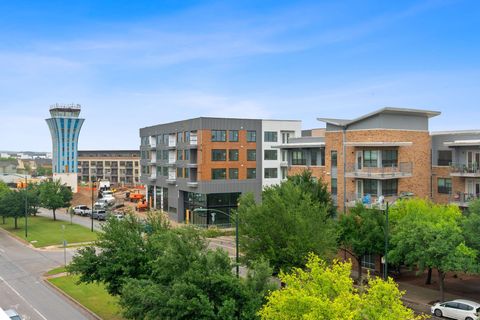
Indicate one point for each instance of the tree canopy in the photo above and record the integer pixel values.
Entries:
(285, 227)
(427, 235)
(326, 292)
(53, 195)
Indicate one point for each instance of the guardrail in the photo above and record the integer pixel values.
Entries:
(403, 169)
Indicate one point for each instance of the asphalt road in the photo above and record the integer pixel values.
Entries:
(62, 215)
(21, 284)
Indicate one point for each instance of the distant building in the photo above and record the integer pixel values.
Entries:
(65, 126)
(121, 167)
(8, 166)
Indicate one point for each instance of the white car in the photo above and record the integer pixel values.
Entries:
(82, 210)
(108, 196)
(457, 309)
(13, 314)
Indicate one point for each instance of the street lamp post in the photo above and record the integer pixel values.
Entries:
(237, 265)
(385, 266)
(91, 211)
(26, 206)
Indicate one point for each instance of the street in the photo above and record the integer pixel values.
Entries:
(21, 284)
(61, 215)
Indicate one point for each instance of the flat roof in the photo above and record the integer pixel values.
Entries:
(379, 144)
(220, 118)
(460, 143)
(440, 133)
(386, 110)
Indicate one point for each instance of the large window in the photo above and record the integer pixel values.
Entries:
(187, 154)
(444, 157)
(219, 135)
(251, 173)
(251, 136)
(271, 155)
(390, 187)
(233, 135)
(219, 155)
(179, 154)
(165, 171)
(389, 158)
(165, 155)
(333, 185)
(313, 157)
(368, 261)
(370, 187)
(333, 158)
(271, 173)
(219, 174)
(233, 155)
(187, 136)
(179, 137)
(179, 172)
(298, 158)
(370, 158)
(444, 185)
(270, 136)
(251, 155)
(233, 173)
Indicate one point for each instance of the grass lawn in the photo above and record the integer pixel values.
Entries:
(46, 232)
(56, 271)
(92, 296)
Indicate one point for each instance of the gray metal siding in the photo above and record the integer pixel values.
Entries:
(458, 153)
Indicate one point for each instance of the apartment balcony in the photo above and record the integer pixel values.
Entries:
(192, 165)
(192, 184)
(372, 201)
(464, 170)
(463, 199)
(403, 170)
(172, 178)
(153, 177)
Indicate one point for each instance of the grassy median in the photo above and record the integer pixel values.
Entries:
(43, 232)
(92, 296)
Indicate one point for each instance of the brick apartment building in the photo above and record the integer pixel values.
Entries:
(209, 162)
(120, 167)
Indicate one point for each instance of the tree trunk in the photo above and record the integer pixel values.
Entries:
(429, 276)
(359, 270)
(54, 216)
(3, 218)
(441, 278)
(16, 226)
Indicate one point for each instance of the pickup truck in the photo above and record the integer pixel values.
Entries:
(108, 196)
(82, 210)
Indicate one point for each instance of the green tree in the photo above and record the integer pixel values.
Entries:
(53, 195)
(471, 226)
(316, 188)
(362, 231)
(168, 273)
(327, 292)
(4, 189)
(426, 235)
(12, 204)
(285, 227)
(44, 171)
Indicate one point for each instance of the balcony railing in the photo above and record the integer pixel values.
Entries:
(463, 199)
(464, 170)
(403, 170)
(375, 201)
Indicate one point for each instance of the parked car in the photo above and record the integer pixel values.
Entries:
(108, 196)
(82, 210)
(101, 204)
(13, 314)
(457, 309)
(99, 214)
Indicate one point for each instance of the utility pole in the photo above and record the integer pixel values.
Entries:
(91, 211)
(26, 206)
(385, 266)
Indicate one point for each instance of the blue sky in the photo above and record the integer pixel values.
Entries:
(132, 64)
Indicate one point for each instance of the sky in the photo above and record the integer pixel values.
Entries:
(132, 64)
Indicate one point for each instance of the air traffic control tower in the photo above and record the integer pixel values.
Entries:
(65, 126)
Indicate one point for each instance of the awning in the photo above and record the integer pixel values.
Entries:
(378, 144)
(301, 145)
(461, 143)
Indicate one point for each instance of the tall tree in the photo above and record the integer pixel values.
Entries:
(427, 235)
(327, 292)
(285, 227)
(4, 189)
(471, 226)
(54, 195)
(317, 189)
(12, 204)
(362, 231)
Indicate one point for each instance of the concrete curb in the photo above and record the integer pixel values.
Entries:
(92, 315)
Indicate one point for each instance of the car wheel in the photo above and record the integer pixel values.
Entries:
(468, 318)
(438, 312)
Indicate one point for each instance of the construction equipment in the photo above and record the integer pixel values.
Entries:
(142, 205)
(135, 196)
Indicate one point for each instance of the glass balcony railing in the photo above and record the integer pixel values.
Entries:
(402, 170)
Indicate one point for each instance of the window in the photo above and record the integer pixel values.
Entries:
(179, 172)
(251, 136)
(233, 155)
(298, 158)
(334, 188)
(370, 187)
(187, 136)
(251, 173)
(179, 154)
(219, 135)
(322, 156)
(444, 185)
(370, 158)
(390, 187)
(179, 137)
(313, 157)
(233, 135)
(218, 174)
(271, 173)
(165, 155)
(187, 155)
(270, 136)
(187, 173)
(271, 154)
(368, 261)
(251, 155)
(159, 171)
(233, 173)
(333, 158)
(389, 158)
(165, 139)
(219, 155)
(444, 157)
(284, 172)
(165, 171)
(286, 136)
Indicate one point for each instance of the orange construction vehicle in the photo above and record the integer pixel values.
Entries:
(142, 205)
(134, 196)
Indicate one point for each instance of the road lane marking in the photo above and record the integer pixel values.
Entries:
(18, 294)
